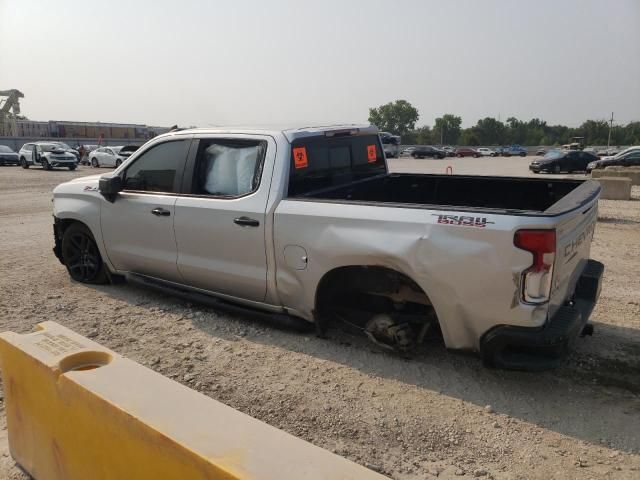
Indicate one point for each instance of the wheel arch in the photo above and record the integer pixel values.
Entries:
(368, 278)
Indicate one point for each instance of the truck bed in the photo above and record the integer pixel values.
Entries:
(510, 195)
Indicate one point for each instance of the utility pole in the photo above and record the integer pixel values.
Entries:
(610, 127)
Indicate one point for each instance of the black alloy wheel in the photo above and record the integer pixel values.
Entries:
(81, 255)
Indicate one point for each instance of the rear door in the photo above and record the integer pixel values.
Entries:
(221, 216)
(138, 227)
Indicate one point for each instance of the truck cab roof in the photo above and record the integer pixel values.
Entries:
(291, 133)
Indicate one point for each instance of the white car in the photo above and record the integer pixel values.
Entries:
(486, 152)
(105, 157)
(48, 155)
(111, 156)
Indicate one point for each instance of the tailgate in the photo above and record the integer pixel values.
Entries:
(573, 244)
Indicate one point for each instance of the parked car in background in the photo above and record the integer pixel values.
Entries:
(630, 158)
(467, 152)
(623, 152)
(390, 144)
(607, 152)
(486, 152)
(427, 151)
(47, 155)
(8, 156)
(68, 149)
(515, 151)
(105, 157)
(407, 151)
(557, 161)
(450, 151)
(541, 152)
(499, 150)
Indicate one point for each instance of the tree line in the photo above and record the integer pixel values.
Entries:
(400, 118)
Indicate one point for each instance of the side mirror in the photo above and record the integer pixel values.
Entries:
(109, 186)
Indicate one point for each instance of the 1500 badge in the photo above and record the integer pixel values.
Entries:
(463, 220)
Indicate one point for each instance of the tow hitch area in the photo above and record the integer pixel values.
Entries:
(521, 348)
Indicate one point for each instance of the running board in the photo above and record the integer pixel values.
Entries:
(278, 320)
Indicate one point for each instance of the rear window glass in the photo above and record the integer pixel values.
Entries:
(322, 162)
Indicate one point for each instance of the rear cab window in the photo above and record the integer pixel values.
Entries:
(322, 161)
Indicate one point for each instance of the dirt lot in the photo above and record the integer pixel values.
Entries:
(437, 414)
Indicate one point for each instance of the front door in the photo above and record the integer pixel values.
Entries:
(220, 222)
(137, 227)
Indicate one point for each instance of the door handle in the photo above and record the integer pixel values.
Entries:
(246, 222)
(161, 212)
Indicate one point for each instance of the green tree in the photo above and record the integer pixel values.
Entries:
(490, 131)
(397, 117)
(446, 130)
(471, 137)
(595, 132)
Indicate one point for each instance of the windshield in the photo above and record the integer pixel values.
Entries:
(553, 154)
(64, 145)
(5, 149)
(625, 151)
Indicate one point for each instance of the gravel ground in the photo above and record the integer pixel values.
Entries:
(436, 414)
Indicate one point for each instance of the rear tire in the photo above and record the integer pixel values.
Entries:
(81, 256)
(476, 156)
(23, 163)
(459, 155)
(94, 163)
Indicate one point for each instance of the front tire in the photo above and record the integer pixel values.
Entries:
(119, 162)
(72, 167)
(81, 256)
(23, 163)
(45, 164)
(94, 162)
(556, 169)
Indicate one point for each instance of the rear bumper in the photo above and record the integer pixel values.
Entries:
(534, 349)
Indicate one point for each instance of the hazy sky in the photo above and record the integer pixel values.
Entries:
(290, 62)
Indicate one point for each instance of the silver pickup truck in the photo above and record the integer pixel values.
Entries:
(307, 226)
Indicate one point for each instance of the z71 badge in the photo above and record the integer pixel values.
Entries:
(463, 220)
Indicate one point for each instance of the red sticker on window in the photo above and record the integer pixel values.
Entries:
(300, 157)
(372, 156)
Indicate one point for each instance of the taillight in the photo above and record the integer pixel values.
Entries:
(536, 280)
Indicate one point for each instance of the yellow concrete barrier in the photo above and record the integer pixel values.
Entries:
(76, 410)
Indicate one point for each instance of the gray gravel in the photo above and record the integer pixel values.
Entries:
(438, 414)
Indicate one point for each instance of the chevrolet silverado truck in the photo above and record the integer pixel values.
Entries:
(308, 226)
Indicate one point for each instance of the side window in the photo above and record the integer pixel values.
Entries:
(228, 168)
(156, 169)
